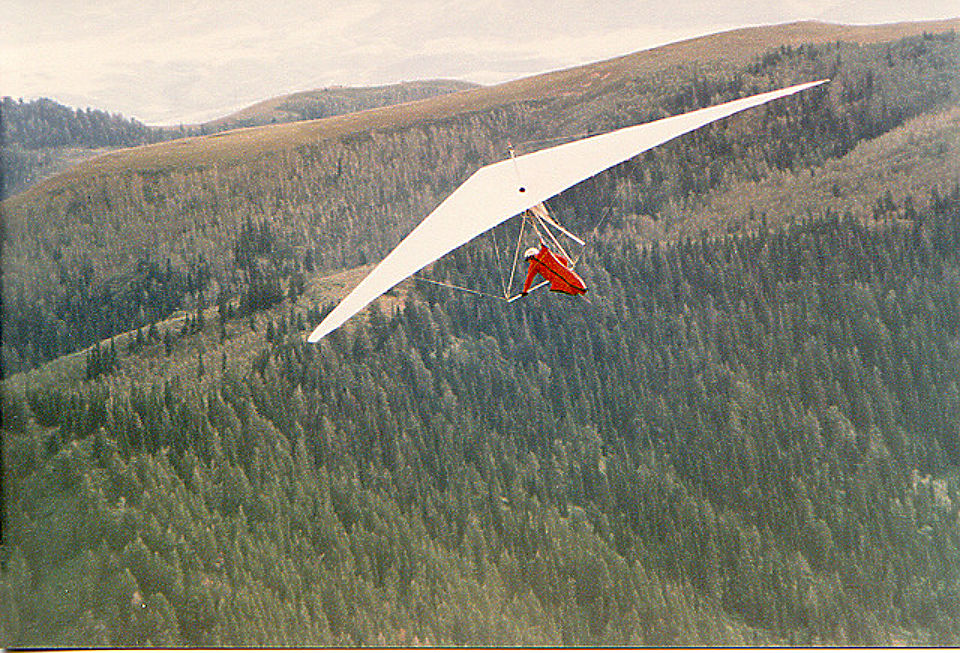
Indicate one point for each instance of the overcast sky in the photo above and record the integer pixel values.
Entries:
(168, 61)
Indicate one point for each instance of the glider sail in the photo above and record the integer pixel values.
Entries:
(497, 192)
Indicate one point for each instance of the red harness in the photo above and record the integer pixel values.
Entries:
(554, 268)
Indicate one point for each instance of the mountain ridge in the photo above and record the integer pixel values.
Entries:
(302, 105)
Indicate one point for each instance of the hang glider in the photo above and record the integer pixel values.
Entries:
(497, 192)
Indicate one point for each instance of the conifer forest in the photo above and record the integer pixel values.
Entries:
(747, 434)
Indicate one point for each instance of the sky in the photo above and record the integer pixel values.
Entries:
(173, 61)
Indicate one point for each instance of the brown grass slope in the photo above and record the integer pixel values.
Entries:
(243, 145)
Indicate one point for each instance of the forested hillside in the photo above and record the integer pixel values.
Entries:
(743, 440)
(40, 136)
(750, 434)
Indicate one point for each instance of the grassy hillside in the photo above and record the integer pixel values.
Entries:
(870, 183)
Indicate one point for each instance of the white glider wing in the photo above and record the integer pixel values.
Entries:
(497, 192)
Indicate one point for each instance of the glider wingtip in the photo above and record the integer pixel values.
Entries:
(324, 329)
(316, 336)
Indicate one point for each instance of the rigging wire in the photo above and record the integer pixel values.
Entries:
(545, 223)
(606, 211)
(591, 235)
(516, 252)
(456, 287)
(516, 168)
(556, 138)
(553, 239)
(496, 249)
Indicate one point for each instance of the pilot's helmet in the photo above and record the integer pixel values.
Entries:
(530, 253)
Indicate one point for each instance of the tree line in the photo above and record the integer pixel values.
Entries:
(45, 123)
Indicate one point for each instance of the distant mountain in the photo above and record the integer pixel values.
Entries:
(332, 101)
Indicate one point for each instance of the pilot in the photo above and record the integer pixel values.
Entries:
(555, 268)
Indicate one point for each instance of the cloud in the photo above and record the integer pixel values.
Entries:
(166, 61)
